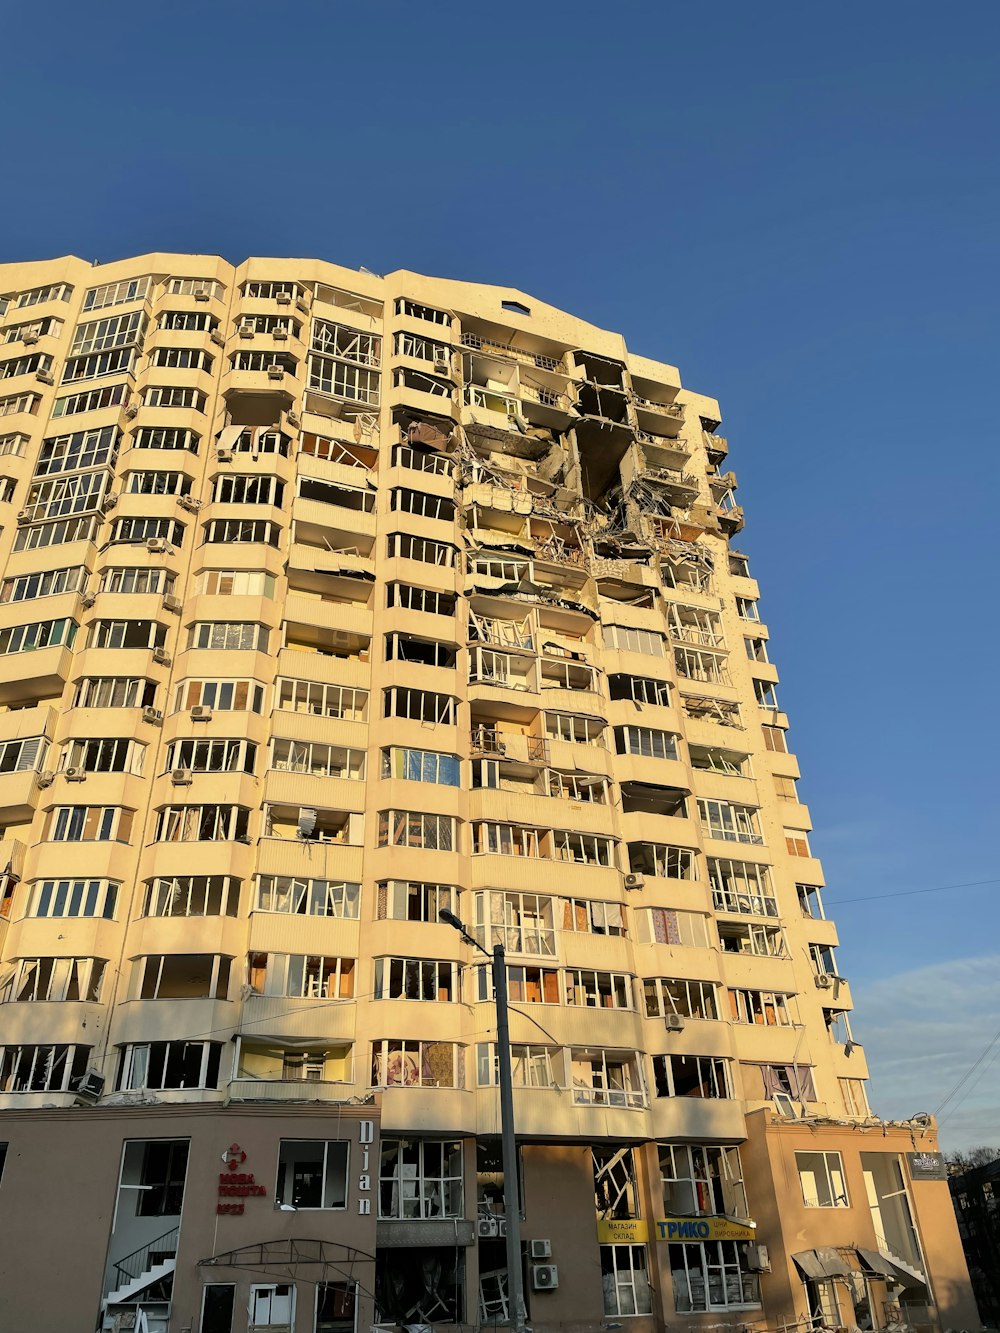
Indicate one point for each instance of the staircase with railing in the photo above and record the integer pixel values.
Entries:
(150, 1263)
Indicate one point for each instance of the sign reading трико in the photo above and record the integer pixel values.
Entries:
(703, 1228)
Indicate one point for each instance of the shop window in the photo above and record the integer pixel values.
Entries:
(312, 1174)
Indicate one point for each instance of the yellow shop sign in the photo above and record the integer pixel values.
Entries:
(703, 1228)
(610, 1232)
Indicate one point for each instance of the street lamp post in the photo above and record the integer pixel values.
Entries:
(508, 1143)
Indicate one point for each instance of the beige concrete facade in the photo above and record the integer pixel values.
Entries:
(327, 601)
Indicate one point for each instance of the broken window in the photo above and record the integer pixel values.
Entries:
(312, 1173)
(158, 1065)
(728, 822)
(427, 600)
(645, 742)
(765, 693)
(593, 917)
(763, 1008)
(531, 1066)
(241, 531)
(693, 624)
(797, 842)
(415, 979)
(705, 1076)
(640, 689)
(576, 729)
(192, 895)
(54, 980)
(741, 886)
(598, 990)
(763, 941)
(322, 761)
(746, 608)
(180, 976)
(420, 1178)
(414, 900)
(662, 860)
(783, 1081)
(625, 1280)
(42, 1068)
(410, 1063)
(506, 840)
(419, 705)
(626, 639)
(404, 306)
(607, 1078)
(202, 823)
(712, 1275)
(303, 976)
(756, 649)
(810, 900)
(615, 1189)
(427, 552)
(337, 701)
(422, 503)
(224, 695)
(428, 652)
(821, 1176)
(88, 823)
(710, 668)
(671, 995)
(716, 760)
(308, 897)
(423, 1284)
(702, 1180)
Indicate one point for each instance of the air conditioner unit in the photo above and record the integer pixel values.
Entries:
(487, 1229)
(281, 335)
(442, 368)
(302, 304)
(824, 981)
(152, 715)
(91, 1087)
(181, 777)
(307, 822)
(502, 1228)
(162, 656)
(172, 603)
(200, 294)
(24, 516)
(673, 1022)
(283, 298)
(45, 779)
(75, 775)
(246, 330)
(635, 881)
(540, 1249)
(189, 503)
(218, 337)
(201, 713)
(157, 545)
(757, 1259)
(224, 455)
(292, 418)
(30, 339)
(275, 373)
(544, 1277)
(109, 502)
(132, 410)
(44, 377)
(88, 599)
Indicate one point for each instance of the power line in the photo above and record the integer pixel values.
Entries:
(968, 1073)
(907, 893)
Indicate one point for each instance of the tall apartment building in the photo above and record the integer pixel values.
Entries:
(328, 601)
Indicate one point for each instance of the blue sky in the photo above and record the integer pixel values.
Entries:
(796, 205)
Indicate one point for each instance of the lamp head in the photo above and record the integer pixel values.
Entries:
(450, 919)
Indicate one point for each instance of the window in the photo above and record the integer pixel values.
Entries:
(116, 293)
(308, 897)
(702, 1180)
(238, 636)
(161, 1065)
(577, 730)
(324, 761)
(525, 985)
(741, 886)
(415, 979)
(88, 823)
(421, 766)
(746, 608)
(422, 549)
(41, 634)
(414, 900)
(81, 449)
(54, 980)
(404, 306)
(24, 755)
(14, 444)
(411, 1064)
(14, 404)
(212, 756)
(634, 640)
(131, 579)
(25, 365)
(764, 1008)
(157, 483)
(187, 321)
(420, 1178)
(428, 652)
(218, 1304)
(182, 358)
(607, 1078)
(693, 664)
(180, 976)
(412, 598)
(715, 760)
(521, 922)
(222, 695)
(531, 1066)
(202, 823)
(669, 925)
(855, 1097)
(242, 532)
(342, 379)
(756, 649)
(711, 1275)
(312, 1174)
(306, 696)
(422, 503)
(339, 340)
(765, 693)
(101, 335)
(705, 1076)
(728, 822)
(505, 840)
(73, 897)
(64, 496)
(625, 1280)
(662, 860)
(645, 742)
(42, 1068)
(236, 583)
(192, 895)
(584, 848)
(786, 788)
(57, 291)
(810, 900)
(55, 534)
(821, 1176)
(272, 1306)
(747, 937)
(172, 395)
(127, 634)
(303, 976)
(91, 400)
(419, 705)
(408, 828)
(669, 995)
(99, 364)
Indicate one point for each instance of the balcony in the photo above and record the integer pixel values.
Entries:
(654, 415)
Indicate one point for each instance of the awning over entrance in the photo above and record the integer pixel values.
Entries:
(821, 1264)
(874, 1262)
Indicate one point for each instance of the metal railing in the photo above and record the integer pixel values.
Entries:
(146, 1257)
